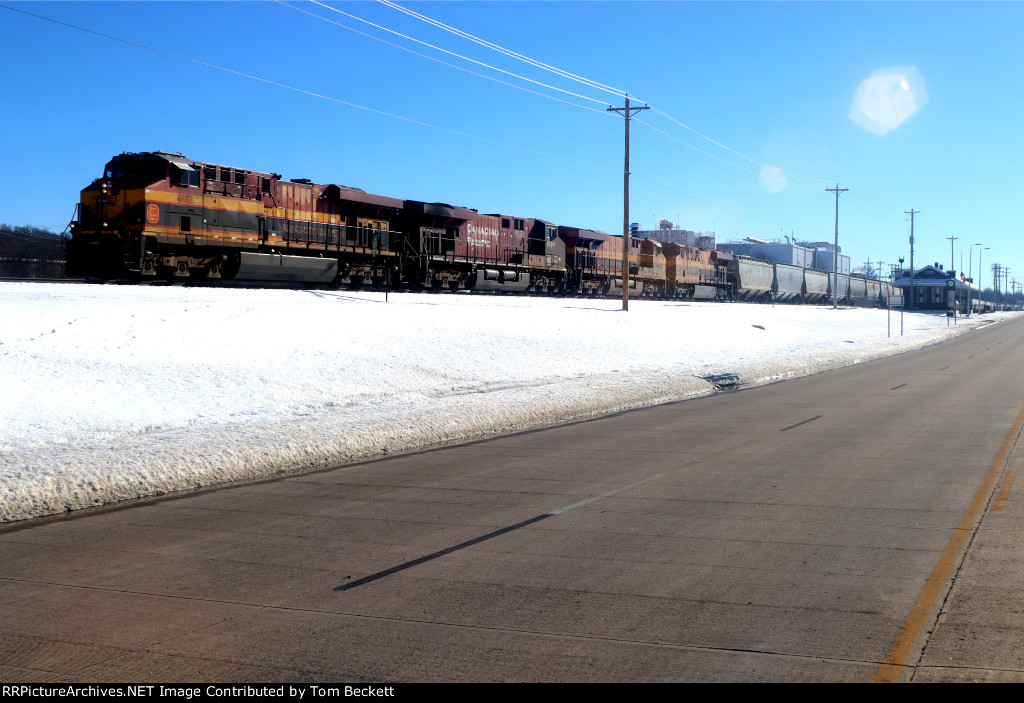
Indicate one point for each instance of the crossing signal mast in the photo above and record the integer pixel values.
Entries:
(626, 112)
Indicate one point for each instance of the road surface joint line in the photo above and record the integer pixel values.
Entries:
(490, 535)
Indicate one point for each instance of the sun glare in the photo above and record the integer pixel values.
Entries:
(888, 98)
(773, 179)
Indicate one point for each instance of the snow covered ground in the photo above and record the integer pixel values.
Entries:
(109, 393)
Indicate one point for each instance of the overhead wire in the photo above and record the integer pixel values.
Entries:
(451, 53)
(796, 176)
(790, 176)
(691, 146)
(546, 67)
(446, 129)
(434, 59)
(503, 50)
(307, 92)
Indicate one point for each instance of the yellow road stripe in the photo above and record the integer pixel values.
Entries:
(1004, 492)
(897, 659)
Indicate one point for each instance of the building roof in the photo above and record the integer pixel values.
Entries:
(931, 276)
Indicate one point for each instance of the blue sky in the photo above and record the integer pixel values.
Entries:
(759, 85)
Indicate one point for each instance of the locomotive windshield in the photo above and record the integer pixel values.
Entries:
(136, 171)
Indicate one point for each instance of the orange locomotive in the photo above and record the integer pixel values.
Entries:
(164, 215)
(160, 215)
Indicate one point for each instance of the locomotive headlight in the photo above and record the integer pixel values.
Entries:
(104, 224)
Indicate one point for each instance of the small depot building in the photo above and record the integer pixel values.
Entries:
(934, 289)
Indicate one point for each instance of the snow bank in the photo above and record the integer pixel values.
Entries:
(111, 393)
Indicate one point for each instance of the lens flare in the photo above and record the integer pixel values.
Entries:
(773, 179)
(888, 98)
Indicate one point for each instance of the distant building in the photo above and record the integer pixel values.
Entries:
(934, 289)
(702, 240)
(816, 255)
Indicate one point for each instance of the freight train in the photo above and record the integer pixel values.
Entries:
(163, 216)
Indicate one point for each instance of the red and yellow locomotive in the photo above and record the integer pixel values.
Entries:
(163, 215)
(158, 215)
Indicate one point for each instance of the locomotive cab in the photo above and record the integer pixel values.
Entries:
(107, 238)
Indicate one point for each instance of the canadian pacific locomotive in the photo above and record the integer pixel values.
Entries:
(159, 215)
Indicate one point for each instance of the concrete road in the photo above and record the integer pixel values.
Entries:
(856, 525)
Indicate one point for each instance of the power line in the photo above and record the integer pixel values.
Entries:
(309, 92)
(817, 182)
(437, 60)
(369, 109)
(437, 48)
(796, 178)
(666, 135)
(503, 50)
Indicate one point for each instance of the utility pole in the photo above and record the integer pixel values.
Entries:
(835, 252)
(626, 112)
(951, 259)
(970, 277)
(878, 271)
(997, 275)
(981, 289)
(1006, 283)
(912, 212)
